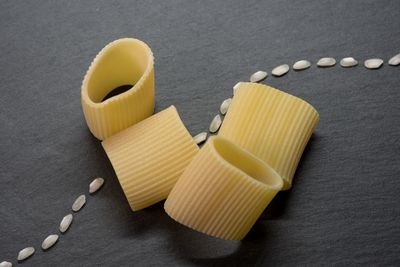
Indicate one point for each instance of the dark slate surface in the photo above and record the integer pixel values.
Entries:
(344, 208)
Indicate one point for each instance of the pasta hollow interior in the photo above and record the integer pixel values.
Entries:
(149, 157)
(122, 62)
(223, 190)
(271, 124)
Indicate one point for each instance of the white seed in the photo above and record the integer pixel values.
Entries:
(236, 87)
(215, 124)
(200, 138)
(25, 253)
(49, 241)
(5, 264)
(79, 202)
(95, 185)
(395, 61)
(348, 62)
(258, 76)
(326, 62)
(301, 65)
(225, 106)
(373, 63)
(280, 70)
(65, 223)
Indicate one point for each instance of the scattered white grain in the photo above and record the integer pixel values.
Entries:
(225, 106)
(395, 60)
(326, 62)
(301, 65)
(373, 63)
(236, 87)
(65, 223)
(5, 264)
(215, 124)
(200, 138)
(258, 76)
(348, 62)
(79, 203)
(95, 185)
(25, 253)
(280, 70)
(49, 241)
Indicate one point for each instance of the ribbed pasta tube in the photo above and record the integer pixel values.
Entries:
(122, 62)
(149, 157)
(223, 190)
(271, 124)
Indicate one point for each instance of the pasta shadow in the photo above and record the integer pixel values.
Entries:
(198, 249)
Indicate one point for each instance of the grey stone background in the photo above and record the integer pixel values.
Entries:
(344, 208)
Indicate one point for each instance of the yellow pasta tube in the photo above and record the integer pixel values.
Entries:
(223, 190)
(271, 124)
(122, 62)
(149, 157)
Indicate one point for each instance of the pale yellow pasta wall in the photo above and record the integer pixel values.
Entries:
(271, 124)
(149, 157)
(223, 191)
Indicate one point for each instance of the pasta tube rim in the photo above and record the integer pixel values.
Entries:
(103, 52)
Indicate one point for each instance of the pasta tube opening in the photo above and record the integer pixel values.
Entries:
(246, 162)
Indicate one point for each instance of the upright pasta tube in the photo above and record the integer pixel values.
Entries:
(271, 124)
(122, 62)
(223, 190)
(148, 157)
